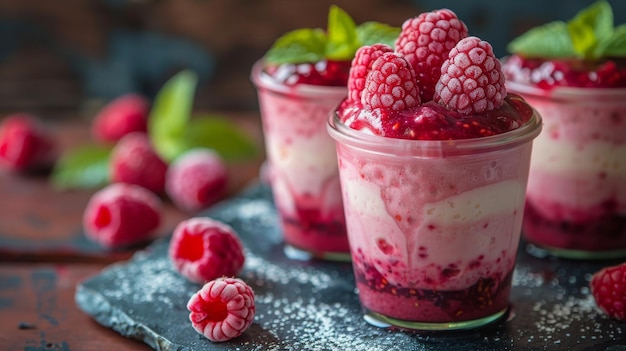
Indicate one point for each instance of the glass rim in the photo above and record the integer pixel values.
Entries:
(263, 80)
(567, 93)
(433, 148)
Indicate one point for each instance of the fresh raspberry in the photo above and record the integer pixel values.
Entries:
(361, 65)
(196, 180)
(134, 161)
(122, 215)
(25, 144)
(126, 114)
(390, 84)
(425, 42)
(608, 287)
(203, 249)
(222, 309)
(471, 78)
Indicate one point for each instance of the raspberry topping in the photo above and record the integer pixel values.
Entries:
(390, 84)
(196, 180)
(122, 215)
(608, 287)
(324, 73)
(547, 74)
(222, 309)
(124, 115)
(203, 249)
(425, 42)
(361, 65)
(471, 78)
(25, 145)
(134, 161)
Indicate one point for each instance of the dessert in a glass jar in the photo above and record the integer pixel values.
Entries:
(574, 74)
(433, 159)
(299, 81)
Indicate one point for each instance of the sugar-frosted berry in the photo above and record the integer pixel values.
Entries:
(361, 65)
(425, 42)
(203, 249)
(122, 215)
(126, 114)
(390, 84)
(134, 161)
(223, 309)
(608, 287)
(25, 144)
(471, 79)
(196, 179)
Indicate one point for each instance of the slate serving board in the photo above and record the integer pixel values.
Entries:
(312, 305)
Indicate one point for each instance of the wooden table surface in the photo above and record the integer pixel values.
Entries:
(44, 254)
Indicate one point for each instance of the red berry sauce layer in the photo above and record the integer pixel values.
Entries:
(488, 295)
(432, 121)
(548, 74)
(323, 73)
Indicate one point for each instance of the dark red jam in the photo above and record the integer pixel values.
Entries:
(432, 121)
(324, 73)
(547, 74)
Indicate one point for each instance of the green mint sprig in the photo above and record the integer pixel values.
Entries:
(590, 35)
(172, 130)
(338, 42)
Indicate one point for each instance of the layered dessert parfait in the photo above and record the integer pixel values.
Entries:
(433, 159)
(576, 201)
(300, 80)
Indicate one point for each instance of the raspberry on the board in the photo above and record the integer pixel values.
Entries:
(196, 179)
(202, 249)
(122, 215)
(222, 309)
(135, 161)
(124, 115)
(608, 287)
(25, 144)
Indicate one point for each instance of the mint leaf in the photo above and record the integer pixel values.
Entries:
(170, 112)
(85, 167)
(342, 37)
(550, 40)
(614, 46)
(369, 33)
(589, 27)
(297, 46)
(221, 135)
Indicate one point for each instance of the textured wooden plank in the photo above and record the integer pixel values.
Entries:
(39, 313)
(41, 223)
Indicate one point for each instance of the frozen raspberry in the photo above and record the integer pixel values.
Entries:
(222, 309)
(134, 161)
(608, 287)
(203, 249)
(196, 180)
(124, 115)
(122, 215)
(471, 78)
(361, 65)
(425, 42)
(25, 144)
(390, 84)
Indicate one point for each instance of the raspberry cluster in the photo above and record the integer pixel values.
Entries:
(434, 66)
